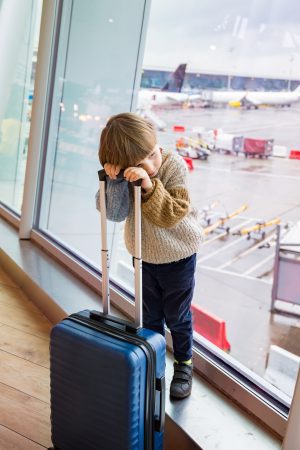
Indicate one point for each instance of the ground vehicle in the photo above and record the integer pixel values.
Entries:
(228, 143)
(258, 147)
(192, 148)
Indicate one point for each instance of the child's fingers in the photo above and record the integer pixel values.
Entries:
(117, 170)
(132, 174)
(111, 170)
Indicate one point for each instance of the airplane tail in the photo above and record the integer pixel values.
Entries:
(175, 81)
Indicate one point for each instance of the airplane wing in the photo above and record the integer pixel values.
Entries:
(195, 97)
(252, 99)
(173, 99)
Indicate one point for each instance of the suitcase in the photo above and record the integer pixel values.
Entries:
(107, 380)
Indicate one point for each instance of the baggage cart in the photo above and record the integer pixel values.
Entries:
(258, 147)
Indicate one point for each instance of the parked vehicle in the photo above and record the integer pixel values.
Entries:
(192, 148)
(258, 147)
(228, 143)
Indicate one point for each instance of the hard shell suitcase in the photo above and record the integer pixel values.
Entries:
(107, 375)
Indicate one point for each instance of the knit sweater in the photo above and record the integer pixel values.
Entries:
(170, 230)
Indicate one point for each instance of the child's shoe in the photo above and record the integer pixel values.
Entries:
(181, 385)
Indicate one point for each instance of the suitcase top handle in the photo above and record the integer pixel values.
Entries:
(137, 251)
(103, 177)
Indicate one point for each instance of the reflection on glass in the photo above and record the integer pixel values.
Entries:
(235, 118)
(19, 30)
(95, 75)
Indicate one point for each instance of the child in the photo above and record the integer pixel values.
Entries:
(170, 233)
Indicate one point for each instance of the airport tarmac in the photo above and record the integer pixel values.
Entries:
(234, 275)
(280, 124)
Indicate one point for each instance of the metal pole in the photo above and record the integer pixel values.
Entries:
(276, 269)
(104, 251)
(292, 436)
(138, 257)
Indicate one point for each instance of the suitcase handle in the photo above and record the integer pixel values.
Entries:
(101, 317)
(103, 177)
(137, 250)
(161, 388)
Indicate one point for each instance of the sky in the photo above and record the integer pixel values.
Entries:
(256, 38)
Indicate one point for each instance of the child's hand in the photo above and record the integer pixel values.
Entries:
(111, 170)
(137, 173)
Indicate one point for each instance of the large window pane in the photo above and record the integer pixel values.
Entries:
(241, 83)
(19, 33)
(95, 76)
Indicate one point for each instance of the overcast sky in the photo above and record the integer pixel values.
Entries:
(258, 37)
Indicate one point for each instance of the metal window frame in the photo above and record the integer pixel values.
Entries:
(293, 429)
(10, 216)
(41, 111)
(206, 361)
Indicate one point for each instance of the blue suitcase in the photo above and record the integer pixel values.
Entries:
(107, 375)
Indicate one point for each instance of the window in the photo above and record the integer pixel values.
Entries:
(94, 79)
(19, 29)
(236, 58)
(238, 92)
(223, 102)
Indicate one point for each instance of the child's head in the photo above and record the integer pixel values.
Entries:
(126, 140)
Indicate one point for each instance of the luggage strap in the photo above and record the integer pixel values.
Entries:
(182, 372)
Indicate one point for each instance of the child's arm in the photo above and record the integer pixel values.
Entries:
(167, 205)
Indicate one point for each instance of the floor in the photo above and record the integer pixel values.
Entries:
(24, 371)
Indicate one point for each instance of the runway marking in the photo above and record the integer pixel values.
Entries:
(244, 172)
(246, 252)
(239, 275)
(263, 127)
(259, 264)
(225, 234)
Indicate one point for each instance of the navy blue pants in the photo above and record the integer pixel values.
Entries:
(167, 296)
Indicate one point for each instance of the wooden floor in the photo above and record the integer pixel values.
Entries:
(24, 371)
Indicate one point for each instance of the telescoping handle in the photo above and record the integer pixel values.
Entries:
(137, 251)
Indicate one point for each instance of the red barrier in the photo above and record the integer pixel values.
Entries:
(295, 154)
(178, 128)
(189, 162)
(211, 327)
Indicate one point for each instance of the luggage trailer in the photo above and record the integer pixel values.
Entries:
(262, 148)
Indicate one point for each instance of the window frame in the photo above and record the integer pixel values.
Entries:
(207, 359)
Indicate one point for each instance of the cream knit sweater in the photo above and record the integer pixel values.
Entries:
(170, 230)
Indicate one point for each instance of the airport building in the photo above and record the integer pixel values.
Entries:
(67, 66)
(155, 79)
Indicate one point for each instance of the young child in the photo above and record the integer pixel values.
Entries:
(170, 233)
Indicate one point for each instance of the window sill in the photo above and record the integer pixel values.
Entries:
(206, 420)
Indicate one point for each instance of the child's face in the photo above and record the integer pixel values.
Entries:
(151, 164)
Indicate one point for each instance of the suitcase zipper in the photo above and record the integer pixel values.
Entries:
(150, 357)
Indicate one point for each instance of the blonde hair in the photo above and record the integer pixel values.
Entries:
(126, 140)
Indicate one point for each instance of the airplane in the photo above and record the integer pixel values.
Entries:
(252, 99)
(169, 94)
